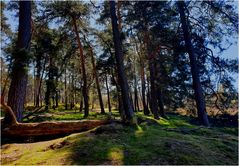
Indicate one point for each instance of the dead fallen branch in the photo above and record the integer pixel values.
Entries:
(37, 110)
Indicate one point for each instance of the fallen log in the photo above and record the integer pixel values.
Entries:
(51, 128)
(12, 128)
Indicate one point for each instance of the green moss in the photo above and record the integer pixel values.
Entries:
(166, 141)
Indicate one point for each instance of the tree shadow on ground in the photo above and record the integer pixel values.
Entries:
(148, 144)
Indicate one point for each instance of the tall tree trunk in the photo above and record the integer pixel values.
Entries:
(151, 59)
(108, 92)
(198, 92)
(128, 107)
(97, 81)
(84, 90)
(17, 90)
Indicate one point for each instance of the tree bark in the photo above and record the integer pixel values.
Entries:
(84, 90)
(153, 96)
(128, 107)
(142, 76)
(65, 91)
(146, 109)
(97, 81)
(120, 103)
(15, 129)
(198, 92)
(17, 90)
(81, 103)
(160, 102)
(49, 85)
(108, 93)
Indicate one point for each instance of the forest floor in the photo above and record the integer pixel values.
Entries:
(166, 141)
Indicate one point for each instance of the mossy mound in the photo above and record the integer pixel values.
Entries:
(164, 141)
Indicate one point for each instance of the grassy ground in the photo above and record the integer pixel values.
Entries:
(165, 141)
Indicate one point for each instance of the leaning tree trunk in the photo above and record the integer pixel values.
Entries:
(198, 92)
(84, 90)
(97, 81)
(128, 107)
(17, 90)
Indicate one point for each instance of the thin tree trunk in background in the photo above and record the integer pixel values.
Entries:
(34, 86)
(70, 96)
(198, 91)
(65, 91)
(146, 109)
(160, 102)
(84, 90)
(81, 103)
(18, 86)
(148, 94)
(128, 107)
(108, 93)
(120, 103)
(131, 98)
(39, 82)
(57, 99)
(136, 102)
(142, 76)
(97, 81)
(49, 83)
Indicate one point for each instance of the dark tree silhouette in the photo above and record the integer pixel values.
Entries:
(202, 115)
(124, 87)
